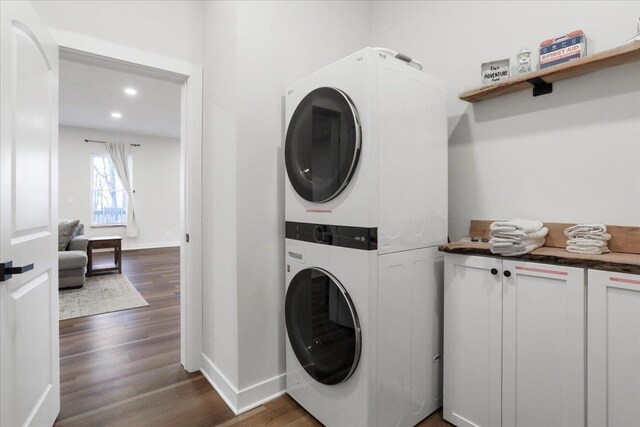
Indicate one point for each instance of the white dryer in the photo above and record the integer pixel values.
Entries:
(363, 331)
(366, 146)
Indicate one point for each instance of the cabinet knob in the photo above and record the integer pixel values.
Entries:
(507, 273)
(494, 271)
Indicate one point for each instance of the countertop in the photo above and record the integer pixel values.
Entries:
(618, 262)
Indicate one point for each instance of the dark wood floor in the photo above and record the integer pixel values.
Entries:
(123, 368)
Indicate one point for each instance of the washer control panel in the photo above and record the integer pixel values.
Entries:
(363, 238)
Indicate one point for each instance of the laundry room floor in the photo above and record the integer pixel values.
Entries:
(123, 368)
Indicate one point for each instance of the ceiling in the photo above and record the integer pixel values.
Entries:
(89, 94)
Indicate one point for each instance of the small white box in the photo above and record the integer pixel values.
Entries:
(495, 71)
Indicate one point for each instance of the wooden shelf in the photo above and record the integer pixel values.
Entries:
(618, 262)
(623, 258)
(599, 61)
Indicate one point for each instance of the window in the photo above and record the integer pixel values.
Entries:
(108, 196)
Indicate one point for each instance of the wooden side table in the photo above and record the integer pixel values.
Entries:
(106, 242)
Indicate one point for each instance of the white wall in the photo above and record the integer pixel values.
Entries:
(219, 224)
(570, 156)
(168, 28)
(156, 181)
(252, 51)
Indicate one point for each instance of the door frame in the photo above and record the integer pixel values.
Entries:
(87, 49)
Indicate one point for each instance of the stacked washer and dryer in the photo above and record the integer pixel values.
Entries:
(366, 207)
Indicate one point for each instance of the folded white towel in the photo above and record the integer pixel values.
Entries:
(499, 241)
(587, 242)
(585, 228)
(518, 235)
(525, 225)
(587, 250)
(594, 235)
(514, 249)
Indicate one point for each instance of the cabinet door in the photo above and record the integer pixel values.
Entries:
(472, 340)
(543, 340)
(614, 349)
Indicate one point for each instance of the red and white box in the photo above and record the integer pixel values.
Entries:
(562, 49)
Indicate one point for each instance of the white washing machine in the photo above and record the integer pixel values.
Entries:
(363, 330)
(366, 146)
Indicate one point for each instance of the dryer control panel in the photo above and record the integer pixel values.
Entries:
(362, 238)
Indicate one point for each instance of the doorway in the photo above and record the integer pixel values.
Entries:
(119, 181)
(83, 49)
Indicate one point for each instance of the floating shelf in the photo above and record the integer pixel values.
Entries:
(541, 80)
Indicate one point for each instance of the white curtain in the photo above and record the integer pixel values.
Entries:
(120, 156)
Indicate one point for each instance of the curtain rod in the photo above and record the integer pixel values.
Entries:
(104, 142)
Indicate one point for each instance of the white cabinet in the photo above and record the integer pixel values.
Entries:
(514, 343)
(613, 349)
(472, 340)
(543, 345)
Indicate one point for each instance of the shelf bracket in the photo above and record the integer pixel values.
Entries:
(540, 87)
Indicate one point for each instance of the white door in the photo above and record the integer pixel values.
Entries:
(29, 362)
(472, 340)
(614, 349)
(543, 327)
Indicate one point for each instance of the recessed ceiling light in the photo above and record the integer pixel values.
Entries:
(130, 91)
(116, 115)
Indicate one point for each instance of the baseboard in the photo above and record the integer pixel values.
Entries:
(241, 401)
(130, 247)
(260, 393)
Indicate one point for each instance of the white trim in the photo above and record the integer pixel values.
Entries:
(263, 392)
(85, 48)
(106, 49)
(135, 247)
(220, 383)
(240, 401)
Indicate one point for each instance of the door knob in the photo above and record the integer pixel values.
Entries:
(7, 270)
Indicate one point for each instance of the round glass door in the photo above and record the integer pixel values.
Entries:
(323, 326)
(322, 144)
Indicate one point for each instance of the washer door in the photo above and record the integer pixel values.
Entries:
(323, 326)
(322, 145)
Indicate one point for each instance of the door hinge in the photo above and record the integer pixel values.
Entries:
(187, 237)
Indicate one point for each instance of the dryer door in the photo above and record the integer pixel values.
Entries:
(322, 326)
(322, 146)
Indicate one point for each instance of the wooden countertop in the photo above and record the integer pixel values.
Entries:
(618, 262)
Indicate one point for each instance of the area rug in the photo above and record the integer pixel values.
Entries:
(100, 294)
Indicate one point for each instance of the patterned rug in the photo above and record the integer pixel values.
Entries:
(100, 294)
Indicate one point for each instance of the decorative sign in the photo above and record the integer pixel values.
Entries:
(563, 49)
(523, 63)
(495, 71)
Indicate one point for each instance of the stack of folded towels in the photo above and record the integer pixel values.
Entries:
(516, 237)
(587, 239)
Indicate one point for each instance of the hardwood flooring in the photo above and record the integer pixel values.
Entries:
(123, 368)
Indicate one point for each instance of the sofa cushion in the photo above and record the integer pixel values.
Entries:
(78, 243)
(71, 279)
(66, 230)
(68, 260)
